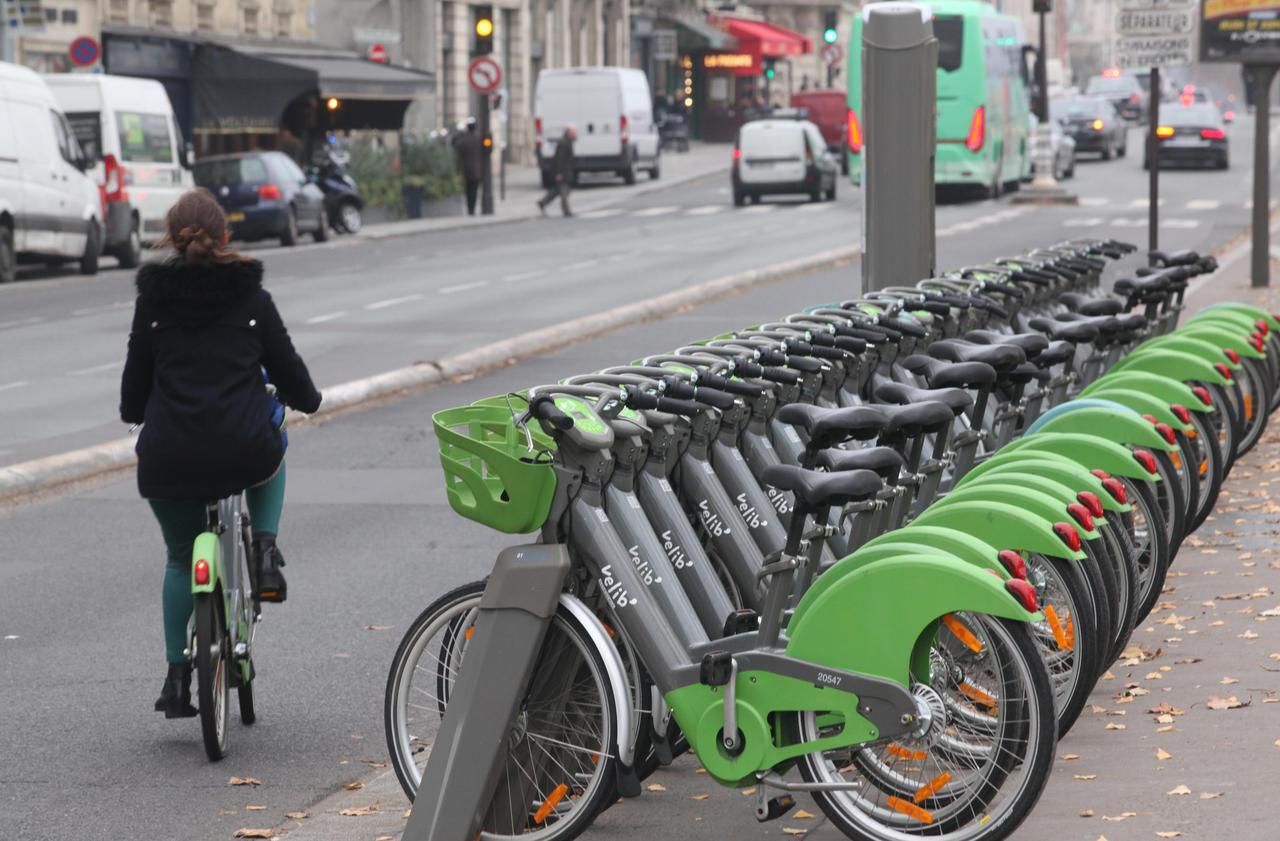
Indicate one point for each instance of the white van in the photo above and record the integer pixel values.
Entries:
(612, 109)
(782, 156)
(136, 151)
(50, 211)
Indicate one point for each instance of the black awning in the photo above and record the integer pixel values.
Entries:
(357, 78)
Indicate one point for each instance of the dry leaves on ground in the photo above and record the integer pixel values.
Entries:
(796, 831)
(255, 808)
(1179, 791)
(1165, 709)
(361, 811)
(246, 832)
(700, 797)
(1162, 754)
(1123, 816)
(297, 816)
(1087, 813)
(1210, 795)
(656, 787)
(1084, 776)
(244, 781)
(802, 815)
(1229, 703)
(1172, 834)
(1068, 757)
(1113, 726)
(1227, 681)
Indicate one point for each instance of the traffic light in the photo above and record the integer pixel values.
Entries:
(483, 30)
(769, 70)
(1042, 7)
(829, 33)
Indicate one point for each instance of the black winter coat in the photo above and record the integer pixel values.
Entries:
(201, 335)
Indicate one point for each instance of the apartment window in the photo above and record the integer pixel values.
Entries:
(204, 17)
(118, 11)
(51, 15)
(162, 12)
(251, 21)
(284, 23)
(70, 16)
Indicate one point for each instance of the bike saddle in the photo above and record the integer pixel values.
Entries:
(818, 490)
(939, 373)
(1077, 332)
(1001, 357)
(1030, 343)
(1086, 305)
(827, 427)
(1185, 257)
(1106, 325)
(915, 419)
(1056, 354)
(955, 399)
(883, 461)
(1026, 372)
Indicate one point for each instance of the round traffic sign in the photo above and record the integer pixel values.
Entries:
(832, 53)
(377, 54)
(84, 51)
(484, 74)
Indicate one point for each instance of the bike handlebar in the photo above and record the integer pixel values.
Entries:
(543, 407)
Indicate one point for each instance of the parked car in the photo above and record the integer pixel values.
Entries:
(136, 152)
(612, 109)
(829, 111)
(1124, 91)
(50, 210)
(265, 196)
(1094, 123)
(1191, 134)
(782, 156)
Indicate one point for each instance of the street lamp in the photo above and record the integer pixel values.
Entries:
(1044, 187)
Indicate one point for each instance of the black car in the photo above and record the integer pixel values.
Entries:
(265, 195)
(1191, 133)
(1125, 92)
(1094, 123)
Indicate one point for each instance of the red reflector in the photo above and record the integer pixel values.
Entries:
(1081, 515)
(1202, 393)
(1151, 419)
(1024, 593)
(1101, 474)
(1232, 355)
(1182, 412)
(1013, 563)
(202, 572)
(1262, 326)
(1257, 342)
(1166, 432)
(1090, 500)
(1221, 368)
(269, 192)
(1147, 460)
(1116, 488)
(1068, 534)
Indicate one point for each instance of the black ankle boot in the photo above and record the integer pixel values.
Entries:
(175, 696)
(267, 561)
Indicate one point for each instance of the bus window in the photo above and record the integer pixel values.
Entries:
(949, 30)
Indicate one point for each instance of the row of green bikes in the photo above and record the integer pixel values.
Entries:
(876, 552)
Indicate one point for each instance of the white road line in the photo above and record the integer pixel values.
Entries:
(600, 214)
(96, 369)
(812, 206)
(1086, 222)
(13, 385)
(512, 278)
(656, 211)
(21, 322)
(108, 308)
(1145, 203)
(582, 264)
(1184, 224)
(329, 316)
(1094, 201)
(391, 302)
(462, 287)
(1203, 204)
(705, 210)
(1126, 222)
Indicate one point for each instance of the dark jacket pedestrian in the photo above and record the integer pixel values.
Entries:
(470, 151)
(563, 170)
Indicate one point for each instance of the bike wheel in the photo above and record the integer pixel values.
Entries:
(561, 760)
(212, 662)
(982, 762)
(1209, 464)
(1256, 393)
(1068, 638)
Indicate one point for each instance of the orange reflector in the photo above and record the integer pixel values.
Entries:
(608, 629)
(467, 634)
(1176, 458)
(962, 633)
(549, 805)
(1055, 625)
(1248, 406)
(925, 792)
(911, 810)
(907, 753)
(1204, 467)
(976, 695)
(1070, 633)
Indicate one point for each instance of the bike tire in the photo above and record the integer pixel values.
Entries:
(1213, 468)
(212, 673)
(1152, 548)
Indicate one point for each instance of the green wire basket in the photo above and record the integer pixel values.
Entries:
(490, 474)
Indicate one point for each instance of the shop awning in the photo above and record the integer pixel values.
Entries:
(697, 33)
(766, 39)
(350, 77)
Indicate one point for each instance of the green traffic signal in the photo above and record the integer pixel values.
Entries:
(829, 35)
(769, 72)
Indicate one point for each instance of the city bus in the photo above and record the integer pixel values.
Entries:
(983, 107)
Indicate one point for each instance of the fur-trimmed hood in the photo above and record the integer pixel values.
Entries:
(198, 292)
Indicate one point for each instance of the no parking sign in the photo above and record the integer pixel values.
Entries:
(84, 51)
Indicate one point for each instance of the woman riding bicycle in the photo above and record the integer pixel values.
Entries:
(206, 339)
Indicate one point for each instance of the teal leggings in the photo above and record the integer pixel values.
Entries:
(181, 522)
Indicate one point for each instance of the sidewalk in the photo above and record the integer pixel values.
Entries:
(524, 188)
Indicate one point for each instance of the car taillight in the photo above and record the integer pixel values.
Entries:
(737, 154)
(1164, 132)
(1013, 563)
(1135, 97)
(1024, 593)
(977, 130)
(1081, 515)
(1213, 134)
(1116, 488)
(855, 132)
(622, 128)
(1098, 125)
(1147, 460)
(115, 180)
(1202, 394)
(1182, 412)
(1068, 534)
(1090, 500)
(269, 192)
(537, 131)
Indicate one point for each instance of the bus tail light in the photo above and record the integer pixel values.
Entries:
(855, 132)
(977, 130)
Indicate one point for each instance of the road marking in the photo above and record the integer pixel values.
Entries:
(1086, 222)
(761, 208)
(1094, 201)
(705, 210)
(391, 302)
(329, 316)
(1145, 203)
(463, 287)
(1203, 204)
(656, 211)
(811, 206)
(583, 264)
(1125, 222)
(1180, 223)
(96, 369)
(106, 308)
(512, 278)
(600, 214)
(13, 385)
(21, 322)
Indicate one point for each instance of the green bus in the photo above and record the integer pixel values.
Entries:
(983, 107)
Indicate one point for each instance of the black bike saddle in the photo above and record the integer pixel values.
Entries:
(1067, 331)
(1085, 305)
(1001, 357)
(954, 399)
(1030, 343)
(939, 373)
(827, 427)
(817, 490)
(883, 461)
(915, 419)
(1106, 325)
(1056, 354)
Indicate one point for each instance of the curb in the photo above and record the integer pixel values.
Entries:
(40, 476)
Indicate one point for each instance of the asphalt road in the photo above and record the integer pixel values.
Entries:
(368, 534)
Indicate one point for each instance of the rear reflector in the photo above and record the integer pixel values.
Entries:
(1232, 355)
(1081, 515)
(202, 572)
(1090, 500)
(1167, 433)
(1101, 474)
(1013, 563)
(1182, 412)
(1203, 394)
(1067, 534)
(1116, 488)
(1147, 460)
(1221, 368)
(1024, 593)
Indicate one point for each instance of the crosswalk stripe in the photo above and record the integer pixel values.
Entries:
(1203, 204)
(1094, 201)
(600, 214)
(1145, 203)
(656, 211)
(1087, 222)
(704, 210)
(1180, 223)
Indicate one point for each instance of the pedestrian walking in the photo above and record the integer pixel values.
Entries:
(562, 168)
(469, 149)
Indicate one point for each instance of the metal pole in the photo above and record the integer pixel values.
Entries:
(1042, 76)
(486, 180)
(1260, 264)
(1153, 162)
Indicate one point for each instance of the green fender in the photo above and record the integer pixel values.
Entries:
(1052, 466)
(207, 548)
(1089, 451)
(1225, 317)
(961, 544)
(1142, 403)
(875, 620)
(1027, 488)
(1177, 364)
(1123, 427)
(1254, 313)
(999, 524)
(1170, 390)
(1223, 336)
(1196, 345)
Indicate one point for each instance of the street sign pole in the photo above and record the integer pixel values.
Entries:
(1260, 266)
(485, 76)
(1153, 161)
(1044, 188)
(486, 181)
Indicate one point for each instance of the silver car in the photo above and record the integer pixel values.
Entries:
(1064, 149)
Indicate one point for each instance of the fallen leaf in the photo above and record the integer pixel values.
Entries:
(255, 808)
(356, 786)
(1154, 676)
(1084, 776)
(1173, 834)
(1094, 708)
(1120, 817)
(1162, 754)
(1168, 728)
(700, 797)
(802, 815)
(1070, 756)
(384, 838)
(244, 781)
(1087, 813)
(1164, 719)
(1247, 635)
(1271, 611)
(360, 811)
(1180, 790)
(1113, 726)
(656, 787)
(378, 627)
(1165, 709)
(791, 830)
(1187, 661)
(254, 833)
(1227, 681)
(747, 792)
(1228, 703)
(374, 763)
(296, 816)
(1210, 795)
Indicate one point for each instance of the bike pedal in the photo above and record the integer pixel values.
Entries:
(775, 808)
(716, 668)
(741, 622)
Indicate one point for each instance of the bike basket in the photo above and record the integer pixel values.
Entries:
(490, 475)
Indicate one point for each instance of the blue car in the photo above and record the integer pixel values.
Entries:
(265, 196)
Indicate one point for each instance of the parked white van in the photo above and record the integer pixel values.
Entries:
(782, 156)
(612, 109)
(136, 151)
(50, 211)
